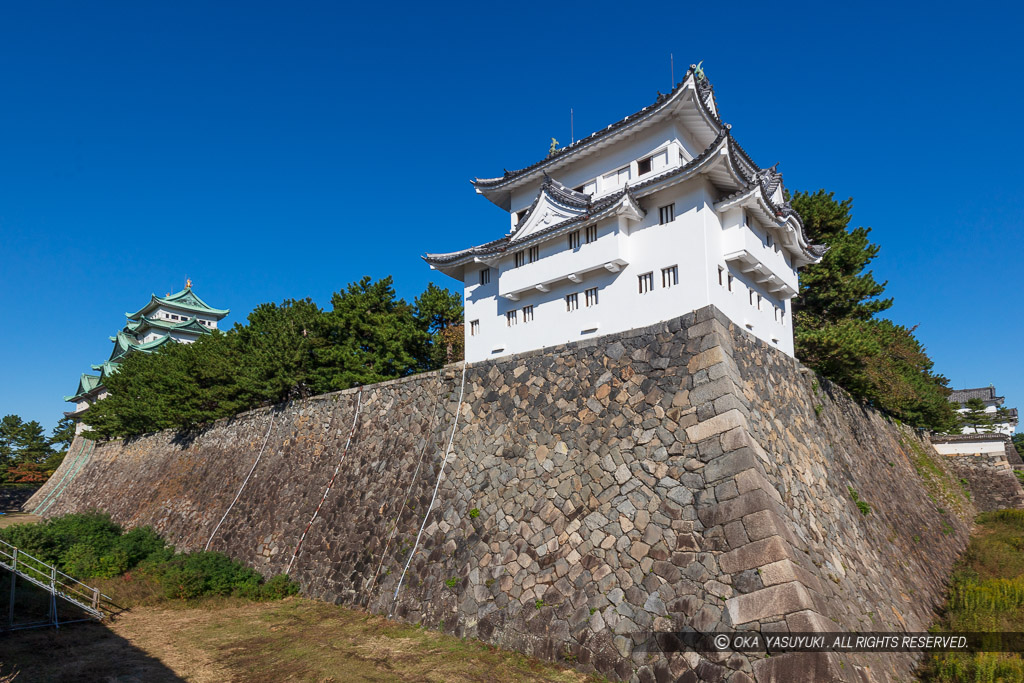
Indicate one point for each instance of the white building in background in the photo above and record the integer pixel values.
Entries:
(1006, 423)
(654, 216)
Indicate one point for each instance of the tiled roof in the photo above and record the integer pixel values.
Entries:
(186, 299)
(705, 99)
(752, 177)
(984, 393)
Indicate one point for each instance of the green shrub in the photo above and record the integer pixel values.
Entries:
(88, 546)
(199, 574)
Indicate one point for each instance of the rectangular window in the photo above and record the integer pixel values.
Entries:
(750, 294)
(729, 279)
(643, 166)
(534, 254)
(520, 215)
(721, 276)
(591, 235)
(782, 316)
(667, 214)
(485, 276)
(646, 282)
(591, 295)
(527, 314)
(474, 328)
(574, 239)
(572, 302)
(759, 302)
(670, 276)
(768, 240)
(510, 318)
(520, 258)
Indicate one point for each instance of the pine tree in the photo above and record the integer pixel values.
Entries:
(974, 419)
(835, 329)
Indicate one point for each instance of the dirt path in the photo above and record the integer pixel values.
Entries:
(11, 518)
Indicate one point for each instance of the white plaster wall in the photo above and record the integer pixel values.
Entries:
(970, 448)
(627, 151)
(692, 242)
(696, 242)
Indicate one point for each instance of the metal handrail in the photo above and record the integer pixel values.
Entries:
(46, 577)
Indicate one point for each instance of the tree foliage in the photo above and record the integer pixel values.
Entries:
(975, 419)
(26, 455)
(285, 351)
(836, 330)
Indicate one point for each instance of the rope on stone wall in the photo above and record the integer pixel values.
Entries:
(447, 452)
(359, 403)
(251, 470)
(70, 461)
(412, 482)
(75, 469)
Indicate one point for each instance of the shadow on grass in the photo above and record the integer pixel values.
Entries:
(81, 651)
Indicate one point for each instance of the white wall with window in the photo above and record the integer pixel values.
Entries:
(667, 248)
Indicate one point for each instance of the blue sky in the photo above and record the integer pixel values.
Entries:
(270, 151)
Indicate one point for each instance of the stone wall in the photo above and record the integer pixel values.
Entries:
(679, 476)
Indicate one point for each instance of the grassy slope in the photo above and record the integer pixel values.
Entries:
(986, 595)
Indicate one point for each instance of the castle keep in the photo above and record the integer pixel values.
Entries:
(180, 317)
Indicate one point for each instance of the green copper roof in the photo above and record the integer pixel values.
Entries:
(190, 325)
(106, 369)
(86, 383)
(123, 343)
(185, 299)
(152, 345)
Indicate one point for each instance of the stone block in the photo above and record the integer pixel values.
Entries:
(774, 601)
(705, 359)
(739, 507)
(707, 393)
(716, 425)
(809, 621)
(724, 404)
(756, 554)
(730, 464)
(820, 667)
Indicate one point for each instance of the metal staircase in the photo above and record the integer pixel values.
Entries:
(56, 583)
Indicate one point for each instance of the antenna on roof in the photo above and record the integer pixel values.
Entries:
(572, 130)
(672, 69)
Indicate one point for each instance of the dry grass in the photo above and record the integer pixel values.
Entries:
(230, 640)
(10, 518)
